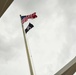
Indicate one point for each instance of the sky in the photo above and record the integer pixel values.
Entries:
(51, 43)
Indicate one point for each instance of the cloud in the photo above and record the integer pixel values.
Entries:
(68, 48)
(51, 41)
(11, 42)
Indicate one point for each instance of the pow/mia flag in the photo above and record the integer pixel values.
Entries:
(29, 27)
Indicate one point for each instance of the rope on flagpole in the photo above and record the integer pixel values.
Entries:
(27, 51)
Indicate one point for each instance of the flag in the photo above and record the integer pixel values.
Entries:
(29, 27)
(24, 19)
(31, 16)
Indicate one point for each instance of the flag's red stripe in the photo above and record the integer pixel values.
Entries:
(31, 16)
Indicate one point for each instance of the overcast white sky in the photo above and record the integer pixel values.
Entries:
(52, 41)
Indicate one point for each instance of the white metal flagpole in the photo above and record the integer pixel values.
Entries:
(27, 51)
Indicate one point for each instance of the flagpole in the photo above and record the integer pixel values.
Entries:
(27, 51)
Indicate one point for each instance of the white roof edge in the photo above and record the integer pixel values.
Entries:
(66, 67)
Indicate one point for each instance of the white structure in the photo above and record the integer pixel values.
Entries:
(68, 69)
(75, 73)
(4, 4)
